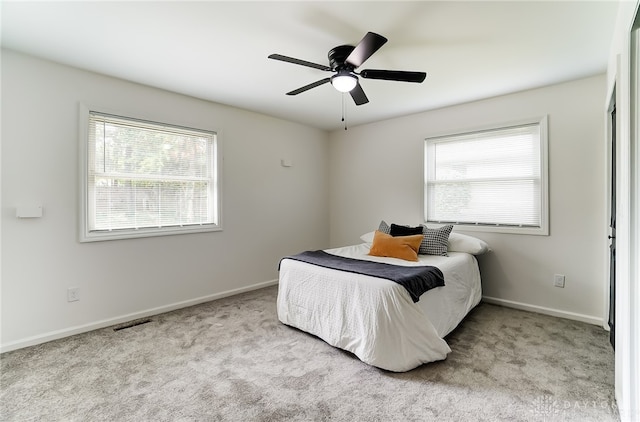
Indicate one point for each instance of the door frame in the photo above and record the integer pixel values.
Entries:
(634, 236)
(624, 73)
(609, 169)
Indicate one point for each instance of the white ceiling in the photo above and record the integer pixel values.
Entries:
(218, 50)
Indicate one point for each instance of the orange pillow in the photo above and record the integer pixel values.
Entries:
(402, 247)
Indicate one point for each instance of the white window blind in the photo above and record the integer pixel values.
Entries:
(492, 178)
(149, 177)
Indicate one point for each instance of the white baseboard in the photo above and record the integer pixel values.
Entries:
(542, 310)
(66, 332)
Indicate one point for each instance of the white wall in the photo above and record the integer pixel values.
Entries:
(269, 211)
(376, 173)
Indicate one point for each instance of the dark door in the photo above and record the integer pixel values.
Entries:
(612, 235)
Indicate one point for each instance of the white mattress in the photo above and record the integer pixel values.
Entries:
(375, 318)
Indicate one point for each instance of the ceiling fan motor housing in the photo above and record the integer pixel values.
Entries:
(337, 57)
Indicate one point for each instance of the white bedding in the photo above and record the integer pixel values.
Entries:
(374, 318)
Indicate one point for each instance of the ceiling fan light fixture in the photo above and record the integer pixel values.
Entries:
(344, 81)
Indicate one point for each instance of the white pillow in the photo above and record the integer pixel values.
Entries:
(368, 237)
(459, 242)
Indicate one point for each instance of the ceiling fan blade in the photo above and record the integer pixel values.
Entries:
(365, 48)
(394, 75)
(358, 95)
(308, 87)
(298, 61)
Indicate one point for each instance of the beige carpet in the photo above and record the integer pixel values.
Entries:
(231, 360)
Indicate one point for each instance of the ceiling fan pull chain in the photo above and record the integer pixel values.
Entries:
(344, 112)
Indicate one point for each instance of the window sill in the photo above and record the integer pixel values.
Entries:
(98, 236)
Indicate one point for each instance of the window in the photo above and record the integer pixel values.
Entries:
(146, 179)
(491, 180)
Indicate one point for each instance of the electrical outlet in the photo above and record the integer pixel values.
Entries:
(73, 294)
(558, 280)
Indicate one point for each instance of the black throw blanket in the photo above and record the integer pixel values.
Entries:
(416, 280)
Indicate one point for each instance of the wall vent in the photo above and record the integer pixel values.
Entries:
(131, 324)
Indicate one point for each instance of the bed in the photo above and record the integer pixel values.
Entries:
(374, 318)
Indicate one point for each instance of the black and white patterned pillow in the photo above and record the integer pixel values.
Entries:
(435, 241)
(384, 227)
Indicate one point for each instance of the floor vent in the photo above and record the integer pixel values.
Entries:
(131, 324)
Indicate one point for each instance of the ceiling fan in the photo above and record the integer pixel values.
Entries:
(344, 60)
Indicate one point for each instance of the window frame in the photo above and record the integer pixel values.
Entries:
(86, 235)
(543, 230)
